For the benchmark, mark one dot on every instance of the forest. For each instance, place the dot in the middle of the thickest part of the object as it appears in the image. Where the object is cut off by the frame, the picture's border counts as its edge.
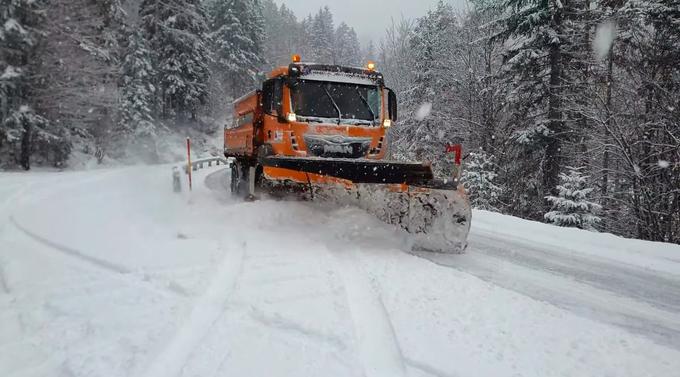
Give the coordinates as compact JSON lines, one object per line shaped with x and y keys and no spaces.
{"x":569,"y":110}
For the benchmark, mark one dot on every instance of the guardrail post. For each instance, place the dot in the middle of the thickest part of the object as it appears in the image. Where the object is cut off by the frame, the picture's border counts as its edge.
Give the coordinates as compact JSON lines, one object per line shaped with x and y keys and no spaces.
{"x":176,"y":181}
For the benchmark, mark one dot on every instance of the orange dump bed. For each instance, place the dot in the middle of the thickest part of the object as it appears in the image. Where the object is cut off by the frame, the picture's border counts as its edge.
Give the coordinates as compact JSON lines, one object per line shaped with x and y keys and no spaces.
{"x":244,"y":136}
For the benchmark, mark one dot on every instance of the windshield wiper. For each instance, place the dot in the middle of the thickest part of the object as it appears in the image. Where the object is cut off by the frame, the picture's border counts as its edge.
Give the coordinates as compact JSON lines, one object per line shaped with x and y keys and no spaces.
{"x":367,"y":105}
{"x":334,"y":104}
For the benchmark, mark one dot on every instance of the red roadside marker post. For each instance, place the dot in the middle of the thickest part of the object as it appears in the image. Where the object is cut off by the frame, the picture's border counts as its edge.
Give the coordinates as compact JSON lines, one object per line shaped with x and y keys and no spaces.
{"x":457,"y":150}
{"x":189,"y":169}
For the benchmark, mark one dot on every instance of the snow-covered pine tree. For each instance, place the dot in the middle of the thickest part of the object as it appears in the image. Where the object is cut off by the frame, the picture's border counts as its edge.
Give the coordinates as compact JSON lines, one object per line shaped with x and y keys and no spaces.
{"x":307,"y":51}
{"x":27,"y":138}
{"x":177,"y":32}
{"x":427,"y":128}
{"x":571,"y":207}
{"x":23,"y":133}
{"x":369,"y":53}
{"x":321,"y":37}
{"x":237,"y":33}
{"x":536,"y":37}
{"x":18,"y":37}
{"x":113,"y":29}
{"x":480,"y":180}
{"x":283,"y":34}
{"x":136,"y":129}
{"x":76,"y":74}
{"x":347,"y":47}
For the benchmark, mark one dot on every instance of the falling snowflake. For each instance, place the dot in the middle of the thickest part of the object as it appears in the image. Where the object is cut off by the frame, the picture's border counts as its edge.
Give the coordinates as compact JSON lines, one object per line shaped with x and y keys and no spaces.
{"x":663,"y":164}
{"x":604,"y":38}
{"x":423,"y":111}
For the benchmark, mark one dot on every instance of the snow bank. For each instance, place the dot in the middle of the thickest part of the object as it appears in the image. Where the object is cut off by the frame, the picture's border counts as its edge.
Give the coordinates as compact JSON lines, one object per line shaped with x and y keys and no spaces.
{"x":656,"y":256}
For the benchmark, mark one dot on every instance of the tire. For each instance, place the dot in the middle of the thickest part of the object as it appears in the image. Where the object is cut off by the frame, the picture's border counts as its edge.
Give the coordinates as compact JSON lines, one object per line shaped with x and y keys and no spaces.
{"x":240,"y":180}
{"x":239,"y":183}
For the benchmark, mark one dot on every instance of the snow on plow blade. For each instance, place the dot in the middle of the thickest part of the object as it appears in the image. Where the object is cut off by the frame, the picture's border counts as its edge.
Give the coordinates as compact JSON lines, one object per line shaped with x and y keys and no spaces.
{"x":436,"y":214}
{"x":438,"y":219}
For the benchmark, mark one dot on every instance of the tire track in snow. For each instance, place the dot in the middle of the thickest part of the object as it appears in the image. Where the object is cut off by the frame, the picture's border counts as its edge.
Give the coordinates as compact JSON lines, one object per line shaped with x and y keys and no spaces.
{"x":378,"y":347}
{"x":423,"y":367}
{"x":13,"y":199}
{"x":3,"y":279}
{"x":101,"y":264}
{"x":282,"y":324}
{"x":207,"y":310}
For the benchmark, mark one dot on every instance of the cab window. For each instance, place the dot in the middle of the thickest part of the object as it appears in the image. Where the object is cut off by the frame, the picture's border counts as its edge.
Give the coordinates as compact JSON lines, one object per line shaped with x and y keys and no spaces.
{"x":272,"y":94}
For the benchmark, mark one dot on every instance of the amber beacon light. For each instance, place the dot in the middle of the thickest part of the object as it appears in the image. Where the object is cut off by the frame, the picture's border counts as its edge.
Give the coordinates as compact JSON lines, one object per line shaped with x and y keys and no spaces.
{"x":296,"y":58}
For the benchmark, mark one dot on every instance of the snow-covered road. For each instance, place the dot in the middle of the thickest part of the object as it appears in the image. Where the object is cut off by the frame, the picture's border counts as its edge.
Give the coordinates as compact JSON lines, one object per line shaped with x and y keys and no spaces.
{"x":641,"y":300}
{"x":109,"y":273}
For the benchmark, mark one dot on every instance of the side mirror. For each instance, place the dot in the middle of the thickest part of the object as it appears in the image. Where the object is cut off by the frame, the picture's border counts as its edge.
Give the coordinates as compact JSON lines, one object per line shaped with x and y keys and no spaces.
{"x":260,"y":78}
{"x":392,"y":104}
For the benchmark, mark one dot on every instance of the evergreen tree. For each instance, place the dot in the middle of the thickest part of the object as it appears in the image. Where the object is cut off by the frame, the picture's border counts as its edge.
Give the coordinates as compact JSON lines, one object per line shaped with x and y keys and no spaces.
{"x":369,"y":53}
{"x":177,"y":34}
{"x":347,"y":47}
{"x":321,"y":37}
{"x":77,"y":72}
{"x":136,"y":125}
{"x":26,"y":136}
{"x":19,"y":36}
{"x":283,"y":34}
{"x":307,"y":50}
{"x":479,"y":178}
{"x":237,"y":32}
{"x":571,"y":207}
{"x":23,"y":133}
{"x":426,"y":128}
{"x":537,"y":37}
{"x":113,"y":28}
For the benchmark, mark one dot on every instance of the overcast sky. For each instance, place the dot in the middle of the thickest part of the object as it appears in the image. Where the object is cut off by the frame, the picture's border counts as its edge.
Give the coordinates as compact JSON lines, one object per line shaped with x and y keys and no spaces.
{"x":368,"y":17}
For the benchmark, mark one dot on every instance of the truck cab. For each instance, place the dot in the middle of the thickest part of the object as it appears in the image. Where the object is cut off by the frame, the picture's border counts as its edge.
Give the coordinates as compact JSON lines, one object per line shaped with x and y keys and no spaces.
{"x":316,"y":111}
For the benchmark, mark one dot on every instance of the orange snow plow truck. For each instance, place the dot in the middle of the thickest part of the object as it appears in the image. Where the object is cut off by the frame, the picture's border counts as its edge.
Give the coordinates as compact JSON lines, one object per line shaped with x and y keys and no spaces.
{"x":321,"y":131}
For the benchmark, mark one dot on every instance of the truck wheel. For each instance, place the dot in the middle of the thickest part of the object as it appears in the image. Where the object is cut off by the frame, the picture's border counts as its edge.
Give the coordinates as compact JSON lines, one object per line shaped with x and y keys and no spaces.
{"x":238,"y":185}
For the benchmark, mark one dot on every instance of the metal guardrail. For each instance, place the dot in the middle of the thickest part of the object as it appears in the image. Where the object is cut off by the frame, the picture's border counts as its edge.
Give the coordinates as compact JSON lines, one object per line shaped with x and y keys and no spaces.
{"x":195,"y":165}
{"x":200,"y":163}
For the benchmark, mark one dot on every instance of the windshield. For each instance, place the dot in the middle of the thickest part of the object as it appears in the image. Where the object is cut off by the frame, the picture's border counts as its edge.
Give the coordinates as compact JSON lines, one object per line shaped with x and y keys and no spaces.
{"x":339,"y":102}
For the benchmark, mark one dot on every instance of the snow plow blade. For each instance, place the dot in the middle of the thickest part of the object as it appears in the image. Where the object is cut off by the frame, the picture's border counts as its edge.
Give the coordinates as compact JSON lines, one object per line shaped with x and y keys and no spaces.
{"x":437,"y":217}
{"x":355,"y":170}
{"x":435,"y":213}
